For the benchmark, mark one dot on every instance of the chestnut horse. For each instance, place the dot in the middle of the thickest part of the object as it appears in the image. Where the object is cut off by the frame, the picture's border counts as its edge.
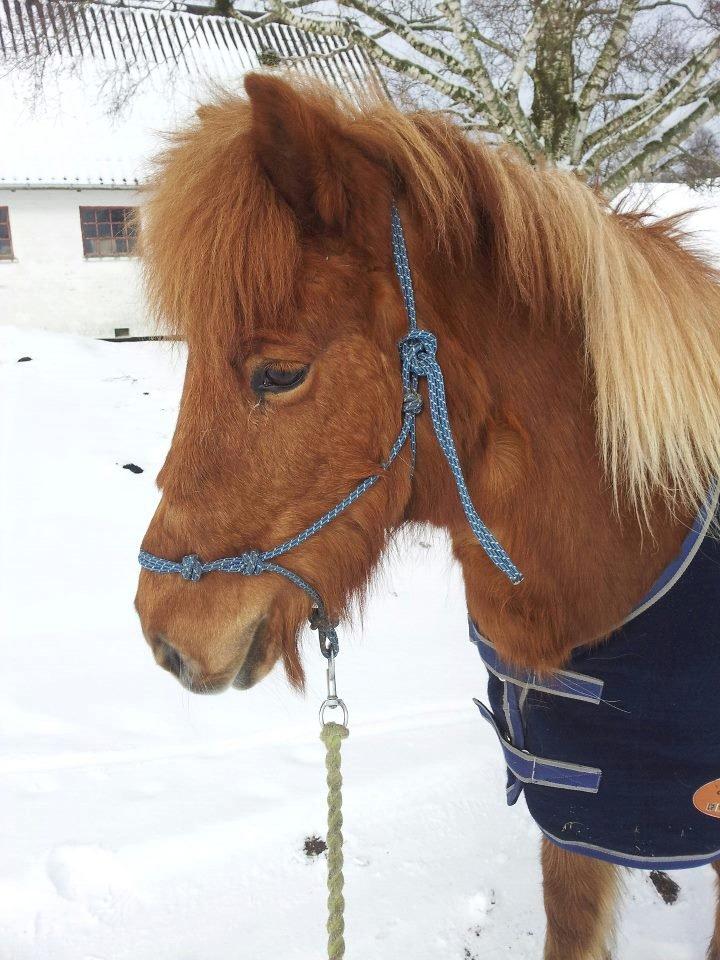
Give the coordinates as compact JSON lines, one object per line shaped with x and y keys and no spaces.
{"x":581,"y":349}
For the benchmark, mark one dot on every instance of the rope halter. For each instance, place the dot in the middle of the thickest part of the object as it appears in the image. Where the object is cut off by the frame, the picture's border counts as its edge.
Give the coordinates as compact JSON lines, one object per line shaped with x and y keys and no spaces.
{"x":418,"y":359}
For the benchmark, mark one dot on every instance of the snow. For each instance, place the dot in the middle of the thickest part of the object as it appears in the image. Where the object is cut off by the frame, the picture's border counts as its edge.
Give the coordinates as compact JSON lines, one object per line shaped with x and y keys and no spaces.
{"x":670,"y":199}
{"x":141,"y":823}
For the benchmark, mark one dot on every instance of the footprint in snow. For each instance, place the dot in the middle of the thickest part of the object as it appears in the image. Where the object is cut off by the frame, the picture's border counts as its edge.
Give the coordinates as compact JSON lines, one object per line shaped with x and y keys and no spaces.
{"x":479,"y":906}
{"x":88,"y":874}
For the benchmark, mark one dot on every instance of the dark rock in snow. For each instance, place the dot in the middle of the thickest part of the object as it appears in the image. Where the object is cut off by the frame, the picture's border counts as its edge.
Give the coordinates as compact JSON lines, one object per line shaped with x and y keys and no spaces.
{"x":665,"y":886}
{"x":132,"y":467}
{"x":314,"y":846}
{"x":24,"y":359}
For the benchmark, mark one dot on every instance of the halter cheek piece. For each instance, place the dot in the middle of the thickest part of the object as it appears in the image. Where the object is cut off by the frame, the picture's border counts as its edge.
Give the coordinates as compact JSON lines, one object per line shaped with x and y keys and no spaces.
{"x":417,"y":359}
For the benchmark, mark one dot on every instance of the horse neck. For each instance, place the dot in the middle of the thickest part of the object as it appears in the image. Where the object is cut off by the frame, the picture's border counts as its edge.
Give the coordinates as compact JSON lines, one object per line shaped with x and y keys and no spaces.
{"x":521,"y":410}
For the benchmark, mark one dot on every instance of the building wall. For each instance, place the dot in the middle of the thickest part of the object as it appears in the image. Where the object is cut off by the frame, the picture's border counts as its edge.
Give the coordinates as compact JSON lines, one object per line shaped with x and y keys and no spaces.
{"x":50,"y":283}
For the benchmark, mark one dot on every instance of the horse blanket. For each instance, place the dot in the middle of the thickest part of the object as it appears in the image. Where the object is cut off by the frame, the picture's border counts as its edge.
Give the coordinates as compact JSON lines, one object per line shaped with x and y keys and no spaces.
{"x":619,"y":754}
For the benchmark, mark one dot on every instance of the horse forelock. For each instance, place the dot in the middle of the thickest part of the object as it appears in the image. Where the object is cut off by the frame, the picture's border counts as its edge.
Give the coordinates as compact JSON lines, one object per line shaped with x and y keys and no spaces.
{"x":220,"y":248}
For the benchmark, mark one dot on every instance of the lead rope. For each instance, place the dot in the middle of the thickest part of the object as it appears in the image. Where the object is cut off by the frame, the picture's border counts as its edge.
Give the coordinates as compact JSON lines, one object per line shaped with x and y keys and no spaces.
{"x":332,"y":735}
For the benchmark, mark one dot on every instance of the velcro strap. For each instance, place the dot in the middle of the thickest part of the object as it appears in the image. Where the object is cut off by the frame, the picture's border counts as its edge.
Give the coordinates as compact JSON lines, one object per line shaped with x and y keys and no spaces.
{"x":538,"y":770}
{"x":560,"y":683}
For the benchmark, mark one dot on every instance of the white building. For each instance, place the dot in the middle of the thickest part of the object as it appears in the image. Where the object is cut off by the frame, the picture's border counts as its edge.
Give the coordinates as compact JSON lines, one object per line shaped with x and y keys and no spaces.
{"x":71,"y":168}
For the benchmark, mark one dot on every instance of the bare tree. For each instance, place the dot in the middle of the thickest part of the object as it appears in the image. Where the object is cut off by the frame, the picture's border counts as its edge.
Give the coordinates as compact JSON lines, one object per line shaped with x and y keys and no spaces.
{"x":619,"y":90}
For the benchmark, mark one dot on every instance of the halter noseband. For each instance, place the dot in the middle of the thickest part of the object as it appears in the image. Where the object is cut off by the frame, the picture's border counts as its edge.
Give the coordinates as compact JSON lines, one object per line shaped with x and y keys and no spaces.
{"x":417,"y":359}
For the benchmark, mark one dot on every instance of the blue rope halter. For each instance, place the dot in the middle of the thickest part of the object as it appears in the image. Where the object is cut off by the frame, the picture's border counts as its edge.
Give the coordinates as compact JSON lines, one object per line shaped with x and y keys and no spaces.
{"x":418,"y":359}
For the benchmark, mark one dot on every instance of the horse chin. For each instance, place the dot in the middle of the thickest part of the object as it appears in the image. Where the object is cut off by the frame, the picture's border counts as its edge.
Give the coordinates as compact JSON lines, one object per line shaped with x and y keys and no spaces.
{"x":247,"y":679}
{"x":259,"y":660}
{"x":204,"y":687}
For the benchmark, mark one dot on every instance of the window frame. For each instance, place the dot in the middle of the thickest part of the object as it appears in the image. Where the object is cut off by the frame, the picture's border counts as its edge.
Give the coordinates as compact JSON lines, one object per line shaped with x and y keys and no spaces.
{"x":123,"y":237}
{"x":8,"y":257}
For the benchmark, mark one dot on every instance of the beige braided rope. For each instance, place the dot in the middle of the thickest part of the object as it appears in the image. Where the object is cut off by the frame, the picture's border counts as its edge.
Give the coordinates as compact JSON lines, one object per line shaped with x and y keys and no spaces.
{"x":332,"y":735}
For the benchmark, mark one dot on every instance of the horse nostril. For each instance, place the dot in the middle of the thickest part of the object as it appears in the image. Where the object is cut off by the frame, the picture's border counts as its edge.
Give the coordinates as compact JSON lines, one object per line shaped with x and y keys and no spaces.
{"x":169,"y":659}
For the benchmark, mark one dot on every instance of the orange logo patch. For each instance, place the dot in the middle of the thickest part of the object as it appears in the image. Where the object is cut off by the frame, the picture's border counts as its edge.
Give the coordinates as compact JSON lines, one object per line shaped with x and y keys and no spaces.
{"x":707,"y":799}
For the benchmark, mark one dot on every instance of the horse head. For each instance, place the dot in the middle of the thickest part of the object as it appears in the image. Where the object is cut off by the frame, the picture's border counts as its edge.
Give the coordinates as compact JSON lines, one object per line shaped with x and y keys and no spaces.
{"x":267,"y":241}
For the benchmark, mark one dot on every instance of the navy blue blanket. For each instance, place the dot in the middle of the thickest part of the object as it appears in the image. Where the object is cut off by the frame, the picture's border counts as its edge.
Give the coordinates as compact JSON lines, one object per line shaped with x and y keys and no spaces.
{"x":618,"y":755}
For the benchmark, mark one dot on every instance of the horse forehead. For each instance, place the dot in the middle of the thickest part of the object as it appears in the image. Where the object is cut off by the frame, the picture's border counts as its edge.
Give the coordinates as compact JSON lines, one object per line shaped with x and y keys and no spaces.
{"x":331,"y":262}
{"x":333,"y":290}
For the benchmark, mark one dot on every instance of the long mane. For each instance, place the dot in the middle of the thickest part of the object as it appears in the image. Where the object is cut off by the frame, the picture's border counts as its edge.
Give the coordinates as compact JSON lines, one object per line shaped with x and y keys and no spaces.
{"x":222,"y":248}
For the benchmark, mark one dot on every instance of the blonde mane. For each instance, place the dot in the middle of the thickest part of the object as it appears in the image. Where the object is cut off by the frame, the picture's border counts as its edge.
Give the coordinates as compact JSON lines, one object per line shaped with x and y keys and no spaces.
{"x":221,"y":246}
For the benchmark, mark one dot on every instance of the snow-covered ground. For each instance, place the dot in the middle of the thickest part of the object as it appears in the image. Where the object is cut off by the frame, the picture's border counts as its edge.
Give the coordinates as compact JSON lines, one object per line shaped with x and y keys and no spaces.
{"x":138,"y":822}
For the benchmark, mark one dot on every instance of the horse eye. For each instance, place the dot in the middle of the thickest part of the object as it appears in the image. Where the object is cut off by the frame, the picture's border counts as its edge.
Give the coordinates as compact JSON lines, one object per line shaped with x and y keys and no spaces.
{"x":270,"y":379}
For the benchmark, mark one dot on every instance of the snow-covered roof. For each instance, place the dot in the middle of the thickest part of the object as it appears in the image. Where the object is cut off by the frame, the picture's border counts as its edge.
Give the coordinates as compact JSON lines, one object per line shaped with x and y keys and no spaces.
{"x":115,"y":77}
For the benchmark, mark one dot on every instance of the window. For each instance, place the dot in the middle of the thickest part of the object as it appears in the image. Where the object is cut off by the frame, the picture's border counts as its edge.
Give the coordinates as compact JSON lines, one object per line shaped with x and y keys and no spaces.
{"x":108,"y":231}
{"x":6,"y":249}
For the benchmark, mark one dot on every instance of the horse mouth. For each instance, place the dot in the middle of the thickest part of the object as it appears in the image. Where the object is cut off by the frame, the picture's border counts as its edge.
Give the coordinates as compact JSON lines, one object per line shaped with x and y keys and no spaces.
{"x":202,"y":686}
{"x":255,"y":664}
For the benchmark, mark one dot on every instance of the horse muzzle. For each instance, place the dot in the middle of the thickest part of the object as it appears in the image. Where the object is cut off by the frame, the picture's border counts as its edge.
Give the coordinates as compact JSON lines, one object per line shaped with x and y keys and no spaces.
{"x":249,"y":666}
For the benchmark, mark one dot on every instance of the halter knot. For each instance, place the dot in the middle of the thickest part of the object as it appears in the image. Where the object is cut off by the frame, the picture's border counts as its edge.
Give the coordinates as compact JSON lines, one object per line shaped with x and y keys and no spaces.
{"x":250,"y":563}
{"x":412,"y":403}
{"x":418,"y":350}
{"x":191,"y":567}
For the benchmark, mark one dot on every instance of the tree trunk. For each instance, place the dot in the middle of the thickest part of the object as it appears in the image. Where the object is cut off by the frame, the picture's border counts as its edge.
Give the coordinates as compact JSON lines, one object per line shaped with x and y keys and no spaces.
{"x":554,"y":108}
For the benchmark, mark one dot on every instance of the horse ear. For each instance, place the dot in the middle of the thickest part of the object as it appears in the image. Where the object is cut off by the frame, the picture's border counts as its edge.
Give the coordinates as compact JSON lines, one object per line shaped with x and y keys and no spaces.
{"x":299,"y":143}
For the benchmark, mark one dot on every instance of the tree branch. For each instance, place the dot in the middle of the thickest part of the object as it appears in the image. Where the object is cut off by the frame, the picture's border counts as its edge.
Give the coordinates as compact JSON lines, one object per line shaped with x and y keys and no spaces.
{"x":351,"y":32}
{"x":673,"y":92}
{"x":675,"y":3}
{"x":661,"y":146}
{"x":709,"y":166}
{"x":609,"y":55}
{"x":526,"y":48}
{"x":493,"y":44}
{"x":600,"y":73}
{"x":506,"y":114}
{"x":401,"y":29}
{"x":254,"y":21}
{"x":478,"y":70}
{"x":313,"y":55}
{"x":619,"y":97}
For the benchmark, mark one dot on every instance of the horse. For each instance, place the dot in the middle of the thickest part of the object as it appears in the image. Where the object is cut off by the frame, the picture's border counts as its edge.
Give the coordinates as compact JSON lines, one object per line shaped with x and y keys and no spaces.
{"x":580,"y":346}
